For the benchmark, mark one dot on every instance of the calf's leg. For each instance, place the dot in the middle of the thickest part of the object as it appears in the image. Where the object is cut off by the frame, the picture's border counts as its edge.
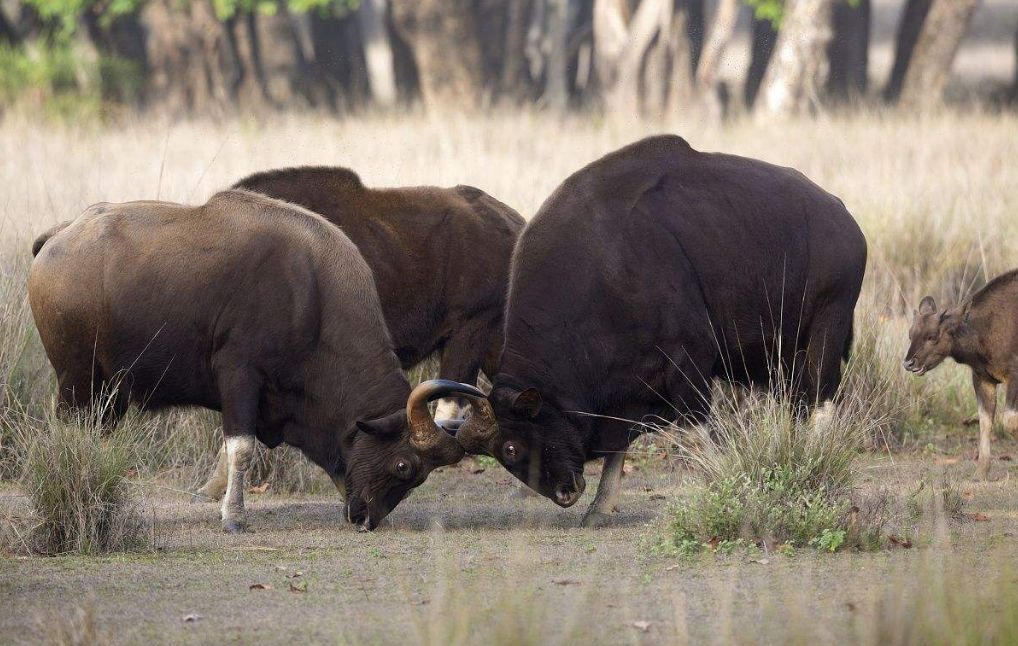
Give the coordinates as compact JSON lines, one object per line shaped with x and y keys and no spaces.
{"x":986,"y":396}
{"x":607,"y":490}
{"x":1010,"y":417}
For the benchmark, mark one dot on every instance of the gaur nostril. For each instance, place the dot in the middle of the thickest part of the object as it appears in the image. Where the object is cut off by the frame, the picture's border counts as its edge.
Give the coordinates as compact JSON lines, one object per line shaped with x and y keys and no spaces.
{"x":563,"y":494}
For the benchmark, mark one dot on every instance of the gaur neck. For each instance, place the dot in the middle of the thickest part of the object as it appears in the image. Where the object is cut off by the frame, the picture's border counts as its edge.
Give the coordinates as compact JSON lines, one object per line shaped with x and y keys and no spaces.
{"x":340,"y":401}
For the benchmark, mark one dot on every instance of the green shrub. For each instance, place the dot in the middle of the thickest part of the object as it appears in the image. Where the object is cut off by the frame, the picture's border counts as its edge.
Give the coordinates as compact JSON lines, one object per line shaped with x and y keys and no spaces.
{"x":771,"y":477}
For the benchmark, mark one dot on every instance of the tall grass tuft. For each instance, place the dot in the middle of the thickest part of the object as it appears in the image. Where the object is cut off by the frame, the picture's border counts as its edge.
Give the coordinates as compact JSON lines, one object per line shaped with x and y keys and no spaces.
{"x":770,"y":476}
{"x":74,"y":626}
{"x":75,"y":475}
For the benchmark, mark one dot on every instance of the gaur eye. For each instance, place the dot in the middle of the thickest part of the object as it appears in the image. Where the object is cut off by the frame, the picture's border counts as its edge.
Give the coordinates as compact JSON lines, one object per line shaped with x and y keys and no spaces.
{"x":510,"y":452}
{"x":402,"y":468}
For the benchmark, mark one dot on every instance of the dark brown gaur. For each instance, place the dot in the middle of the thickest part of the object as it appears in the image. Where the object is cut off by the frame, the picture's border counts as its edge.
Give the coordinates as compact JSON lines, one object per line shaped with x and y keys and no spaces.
{"x":981,"y":333}
{"x":644,"y":276}
{"x":250,"y":306}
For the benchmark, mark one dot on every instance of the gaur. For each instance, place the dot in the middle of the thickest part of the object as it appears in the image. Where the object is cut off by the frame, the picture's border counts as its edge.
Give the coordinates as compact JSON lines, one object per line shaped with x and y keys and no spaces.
{"x":250,"y":306}
{"x":644,"y":276}
{"x":981,"y":333}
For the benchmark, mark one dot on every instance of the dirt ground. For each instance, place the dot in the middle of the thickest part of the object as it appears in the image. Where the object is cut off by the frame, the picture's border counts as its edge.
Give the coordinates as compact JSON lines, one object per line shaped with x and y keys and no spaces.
{"x":464,"y":557}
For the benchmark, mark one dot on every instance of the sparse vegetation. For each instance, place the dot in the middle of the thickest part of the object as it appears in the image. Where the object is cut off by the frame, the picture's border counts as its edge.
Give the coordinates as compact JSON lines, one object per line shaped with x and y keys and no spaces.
{"x":943,"y":230}
{"x":769,"y":476}
{"x":75,"y":475}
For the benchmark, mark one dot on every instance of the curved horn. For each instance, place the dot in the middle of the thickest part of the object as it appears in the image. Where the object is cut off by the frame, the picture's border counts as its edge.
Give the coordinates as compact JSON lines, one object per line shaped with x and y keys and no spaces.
{"x":424,"y":432}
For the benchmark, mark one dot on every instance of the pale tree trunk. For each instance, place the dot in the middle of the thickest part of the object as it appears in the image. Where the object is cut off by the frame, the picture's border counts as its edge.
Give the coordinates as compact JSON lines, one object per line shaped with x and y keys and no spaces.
{"x":377,"y":52}
{"x":679,"y":92}
{"x":721,"y":29}
{"x":792,"y":80}
{"x":443,"y":38}
{"x":938,"y":43}
{"x":909,"y":26}
{"x":621,"y":45}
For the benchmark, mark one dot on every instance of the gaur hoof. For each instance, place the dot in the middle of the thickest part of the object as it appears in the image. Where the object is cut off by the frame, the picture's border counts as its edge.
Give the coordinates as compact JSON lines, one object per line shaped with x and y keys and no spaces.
{"x":234,"y":526}
{"x":595,"y":519}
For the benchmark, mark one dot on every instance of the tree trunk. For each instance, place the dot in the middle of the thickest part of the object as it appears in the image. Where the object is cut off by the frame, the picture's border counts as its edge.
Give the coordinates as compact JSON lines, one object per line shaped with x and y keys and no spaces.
{"x":721,"y":29}
{"x":511,"y":78}
{"x":938,"y":43}
{"x":848,"y":51}
{"x":377,"y":52}
{"x":680,"y":62}
{"x":443,"y":38}
{"x":8,"y":32}
{"x":621,"y":45}
{"x":909,"y":26}
{"x":556,"y":87}
{"x":764,"y":38}
{"x":792,"y":79}
{"x":188,"y":50}
{"x":1014,"y":85}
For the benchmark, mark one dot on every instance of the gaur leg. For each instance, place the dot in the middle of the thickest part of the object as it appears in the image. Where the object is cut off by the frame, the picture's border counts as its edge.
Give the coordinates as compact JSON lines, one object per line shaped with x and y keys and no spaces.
{"x":820,"y":372}
{"x":462,"y":356}
{"x":986,"y":396}
{"x":240,"y":413}
{"x":215,"y":487}
{"x":1010,"y":417}
{"x":607,"y":490}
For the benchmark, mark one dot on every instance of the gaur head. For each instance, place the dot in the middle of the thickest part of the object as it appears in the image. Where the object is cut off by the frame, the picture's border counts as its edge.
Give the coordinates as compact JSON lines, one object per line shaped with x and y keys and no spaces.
{"x":931,"y":336}
{"x":532,"y":438}
{"x":391,"y":455}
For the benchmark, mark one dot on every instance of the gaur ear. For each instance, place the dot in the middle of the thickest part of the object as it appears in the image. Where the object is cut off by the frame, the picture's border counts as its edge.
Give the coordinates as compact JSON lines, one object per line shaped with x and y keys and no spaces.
{"x":927,"y":305}
{"x":383,"y":427}
{"x":528,"y":403}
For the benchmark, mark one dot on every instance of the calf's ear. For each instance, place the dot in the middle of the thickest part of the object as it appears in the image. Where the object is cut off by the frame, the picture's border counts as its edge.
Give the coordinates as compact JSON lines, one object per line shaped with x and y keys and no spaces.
{"x":927,"y":305}
{"x":528,"y":403}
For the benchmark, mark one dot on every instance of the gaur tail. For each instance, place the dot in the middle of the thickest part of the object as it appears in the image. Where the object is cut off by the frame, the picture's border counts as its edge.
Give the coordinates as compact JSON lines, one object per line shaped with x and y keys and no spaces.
{"x":846,"y":352}
{"x":41,"y":241}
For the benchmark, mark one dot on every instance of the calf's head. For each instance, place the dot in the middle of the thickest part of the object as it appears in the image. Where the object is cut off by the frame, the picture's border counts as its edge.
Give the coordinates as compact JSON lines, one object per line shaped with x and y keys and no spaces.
{"x":532,"y":438}
{"x":393,"y":454}
{"x":932,"y":336}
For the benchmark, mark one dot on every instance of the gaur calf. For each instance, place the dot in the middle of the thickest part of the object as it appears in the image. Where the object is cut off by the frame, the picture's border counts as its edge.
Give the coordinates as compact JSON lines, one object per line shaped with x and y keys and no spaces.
{"x":249,"y":306}
{"x":644,"y":276}
{"x":981,"y":333}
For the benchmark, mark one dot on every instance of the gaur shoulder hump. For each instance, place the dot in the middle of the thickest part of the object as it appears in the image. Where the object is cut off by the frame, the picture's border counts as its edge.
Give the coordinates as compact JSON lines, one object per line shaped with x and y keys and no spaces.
{"x":336,"y":176}
{"x":489,"y":207}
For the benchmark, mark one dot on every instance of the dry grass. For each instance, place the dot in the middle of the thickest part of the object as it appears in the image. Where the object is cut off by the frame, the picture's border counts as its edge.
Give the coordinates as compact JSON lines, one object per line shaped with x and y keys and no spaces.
{"x":934,"y":196}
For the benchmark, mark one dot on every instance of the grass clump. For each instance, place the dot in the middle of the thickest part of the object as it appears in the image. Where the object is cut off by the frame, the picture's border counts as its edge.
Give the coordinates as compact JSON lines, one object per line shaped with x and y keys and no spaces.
{"x":770,"y":478}
{"x":75,"y":476}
